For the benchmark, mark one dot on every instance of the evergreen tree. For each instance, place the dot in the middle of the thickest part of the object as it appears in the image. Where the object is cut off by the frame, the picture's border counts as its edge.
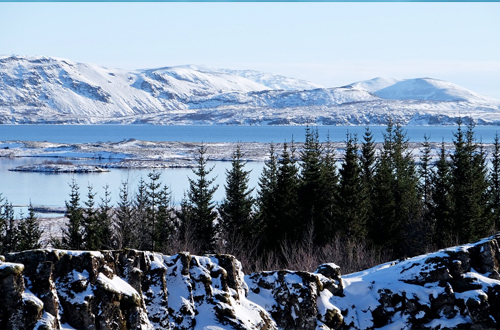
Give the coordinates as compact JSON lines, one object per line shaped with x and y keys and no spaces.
{"x":441,"y":206}
{"x":140,"y":216}
{"x":104,"y":215}
{"x":199,"y":206}
{"x":153,"y":193}
{"x":124,"y":225}
{"x":412,"y":237}
{"x":288,"y":224}
{"x":326,"y":227}
{"x":30,"y":232}
{"x":313,"y":195}
{"x":11,"y":230}
{"x":165,"y":220}
{"x":352,"y":195}
{"x":425,"y":190}
{"x":92,"y":239}
{"x":384,"y":227}
{"x":236,"y":208}
{"x":471,"y":213}
{"x":368,"y":161}
{"x":266,"y":198}
{"x":495,"y":181}
{"x":72,"y":234}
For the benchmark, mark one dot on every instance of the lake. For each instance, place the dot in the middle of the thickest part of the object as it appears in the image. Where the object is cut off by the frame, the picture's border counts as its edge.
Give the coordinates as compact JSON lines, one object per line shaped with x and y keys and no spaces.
{"x":53,"y":189}
{"x":115,"y":133}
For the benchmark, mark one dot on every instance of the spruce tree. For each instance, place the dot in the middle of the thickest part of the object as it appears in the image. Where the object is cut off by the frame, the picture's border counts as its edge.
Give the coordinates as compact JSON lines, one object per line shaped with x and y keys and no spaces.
{"x":313,"y":187}
{"x":425,"y":172}
{"x":471,"y":213}
{"x":266,"y":198}
{"x":11,"y":230}
{"x":90,"y":224}
{"x":441,"y":207}
{"x":104,"y":215}
{"x":368,"y":161}
{"x":352,"y":195}
{"x":72,"y":234}
{"x":140,"y":216}
{"x":199,"y":207}
{"x":288,"y":226}
{"x":30,"y":232}
{"x":326,"y":227}
{"x":165,"y":220}
{"x":495,"y":181}
{"x":124,"y":225}
{"x":153,"y":194}
{"x":236,"y":208}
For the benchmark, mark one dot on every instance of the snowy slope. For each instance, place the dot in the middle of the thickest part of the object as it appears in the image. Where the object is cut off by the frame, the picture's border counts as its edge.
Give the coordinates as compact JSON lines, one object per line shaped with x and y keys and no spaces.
{"x":39,"y":89}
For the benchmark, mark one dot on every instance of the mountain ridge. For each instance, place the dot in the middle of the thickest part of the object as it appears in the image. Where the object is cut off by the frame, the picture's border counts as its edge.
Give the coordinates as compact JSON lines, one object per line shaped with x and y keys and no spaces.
{"x":42,"y":89}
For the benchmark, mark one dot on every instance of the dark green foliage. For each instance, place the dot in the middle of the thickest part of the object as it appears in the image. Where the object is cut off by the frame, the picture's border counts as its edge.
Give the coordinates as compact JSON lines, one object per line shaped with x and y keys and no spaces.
{"x":368,"y":161}
{"x":469,"y":188}
{"x":198,"y":210}
{"x":72,"y":234}
{"x":266,"y":199}
{"x":288,"y":225}
{"x":314,"y":187}
{"x":441,"y":205}
{"x":353,"y":199}
{"x":9,"y":229}
{"x":495,"y":181}
{"x":165,"y":220}
{"x":30,"y":232}
{"x":397,"y":221}
{"x":124,"y":224}
{"x":104,"y":215}
{"x":90,"y":224}
{"x":236,"y":208}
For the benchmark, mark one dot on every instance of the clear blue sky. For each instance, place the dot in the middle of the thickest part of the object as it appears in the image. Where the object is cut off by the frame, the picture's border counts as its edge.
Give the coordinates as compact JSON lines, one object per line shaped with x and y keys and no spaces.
{"x":332,"y":44}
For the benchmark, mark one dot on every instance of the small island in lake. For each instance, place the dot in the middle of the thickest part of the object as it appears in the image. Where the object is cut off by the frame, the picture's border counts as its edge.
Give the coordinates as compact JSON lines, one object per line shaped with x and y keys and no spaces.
{"x":59,"y":168}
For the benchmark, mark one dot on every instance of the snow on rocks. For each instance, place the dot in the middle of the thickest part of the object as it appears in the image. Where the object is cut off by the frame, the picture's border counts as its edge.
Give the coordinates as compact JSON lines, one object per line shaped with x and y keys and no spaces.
{"x":55,"y":289}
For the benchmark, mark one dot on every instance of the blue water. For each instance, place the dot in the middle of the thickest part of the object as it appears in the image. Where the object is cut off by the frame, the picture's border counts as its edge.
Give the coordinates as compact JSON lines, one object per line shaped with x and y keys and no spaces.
{"x":115,"y":133}
{"x":52,"y":190}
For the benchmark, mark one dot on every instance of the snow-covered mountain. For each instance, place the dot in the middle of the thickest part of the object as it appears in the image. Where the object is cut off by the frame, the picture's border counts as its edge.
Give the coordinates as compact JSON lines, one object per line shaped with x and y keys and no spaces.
{"x":39,"y":89}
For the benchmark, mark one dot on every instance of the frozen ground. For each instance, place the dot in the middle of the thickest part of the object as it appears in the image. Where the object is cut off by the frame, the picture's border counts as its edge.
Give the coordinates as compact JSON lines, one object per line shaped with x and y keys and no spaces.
{"x":146,"y":154}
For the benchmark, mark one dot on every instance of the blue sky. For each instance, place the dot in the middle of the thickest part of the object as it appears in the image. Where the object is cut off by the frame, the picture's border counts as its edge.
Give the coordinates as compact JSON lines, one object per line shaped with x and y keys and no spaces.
{"x":332,"y":44}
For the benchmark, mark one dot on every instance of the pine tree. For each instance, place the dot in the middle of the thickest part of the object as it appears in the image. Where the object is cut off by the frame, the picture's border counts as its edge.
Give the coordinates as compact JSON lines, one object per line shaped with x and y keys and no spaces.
{"x":352,"y":195}
{"x":72,"y":234}
{"x":140,"y":216}
{"x":313,"y":187}
{"x":236,"y":208}
{"x":495,"y":181}
{"x":384,"y":228}
{"x":266,"y":197}
{"x":441,"y":204}
{"x":425,"y":190}
{"x":165,"y":220}
{"x":90,"y":224}
{"x":30,"y":232}
{"x":288,"y":226}
{"x":368,"y":161}
{"x":471,"y":213}
{"x":11,"y":231}
{"x":124,"y":225}
{"x":104,"y":215}
{"x":199,"y":207}
{"x":153,"y":193}
{"x":327,"y":226}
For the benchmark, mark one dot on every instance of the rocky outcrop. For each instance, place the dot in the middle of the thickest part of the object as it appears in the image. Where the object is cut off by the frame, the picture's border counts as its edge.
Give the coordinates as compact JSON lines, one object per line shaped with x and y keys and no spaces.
{"x":54,"y":289}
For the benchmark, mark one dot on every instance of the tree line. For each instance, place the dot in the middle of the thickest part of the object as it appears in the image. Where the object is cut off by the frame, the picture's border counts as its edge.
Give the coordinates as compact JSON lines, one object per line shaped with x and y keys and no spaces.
{"x":364,"y":205}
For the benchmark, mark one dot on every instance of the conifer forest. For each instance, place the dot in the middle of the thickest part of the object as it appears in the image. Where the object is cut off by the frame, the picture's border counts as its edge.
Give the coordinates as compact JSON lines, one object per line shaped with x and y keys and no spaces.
{"x":368,"y":204}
